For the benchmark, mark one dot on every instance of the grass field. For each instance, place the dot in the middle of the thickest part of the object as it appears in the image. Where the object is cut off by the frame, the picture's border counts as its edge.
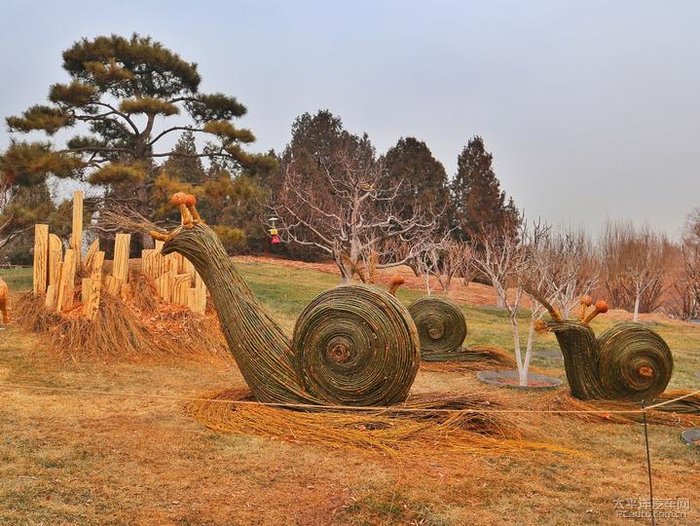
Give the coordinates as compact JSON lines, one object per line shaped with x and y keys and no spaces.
{"x":72,"y":456}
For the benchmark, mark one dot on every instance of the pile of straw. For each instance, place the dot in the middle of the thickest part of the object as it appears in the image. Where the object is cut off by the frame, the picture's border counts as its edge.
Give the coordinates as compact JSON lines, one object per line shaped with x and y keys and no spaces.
{"x":462,"y":424}
{"x":141,"y":327}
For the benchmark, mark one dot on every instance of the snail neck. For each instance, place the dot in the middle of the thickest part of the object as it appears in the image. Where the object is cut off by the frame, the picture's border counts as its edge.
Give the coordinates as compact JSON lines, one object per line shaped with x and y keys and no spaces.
{"x":261,"y":349}
{"x":580,"y":349}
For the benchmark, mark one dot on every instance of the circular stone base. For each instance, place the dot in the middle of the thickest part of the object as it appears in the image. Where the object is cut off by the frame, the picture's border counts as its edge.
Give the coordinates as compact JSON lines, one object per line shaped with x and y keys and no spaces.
{"x":691,"y":436}
{"x":511,"y":378}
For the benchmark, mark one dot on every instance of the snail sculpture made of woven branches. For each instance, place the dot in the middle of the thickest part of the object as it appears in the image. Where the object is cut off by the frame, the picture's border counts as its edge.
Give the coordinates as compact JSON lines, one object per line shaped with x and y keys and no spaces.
{"x":441,"y":327}
{"x":352,"y":345}
{"x":626,"y":362}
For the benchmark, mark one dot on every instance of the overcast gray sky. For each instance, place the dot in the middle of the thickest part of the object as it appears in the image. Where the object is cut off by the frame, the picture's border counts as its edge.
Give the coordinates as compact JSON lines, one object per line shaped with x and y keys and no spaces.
{"x":590,"y":108}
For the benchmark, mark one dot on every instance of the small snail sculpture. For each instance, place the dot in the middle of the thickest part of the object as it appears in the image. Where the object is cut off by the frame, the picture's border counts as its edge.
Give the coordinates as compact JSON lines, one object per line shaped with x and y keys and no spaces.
{"x":626,"y":362}
{"x":441,"y":327}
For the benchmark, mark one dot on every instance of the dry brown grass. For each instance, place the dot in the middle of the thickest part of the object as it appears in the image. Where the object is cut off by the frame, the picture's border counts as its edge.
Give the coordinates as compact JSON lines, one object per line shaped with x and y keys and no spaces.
{"x":72,"y":458}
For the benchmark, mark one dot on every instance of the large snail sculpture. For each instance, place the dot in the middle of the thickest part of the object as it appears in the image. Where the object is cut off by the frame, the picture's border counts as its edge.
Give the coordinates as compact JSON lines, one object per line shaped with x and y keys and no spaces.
{"x":352,"y":345}
{"x":626,"y":362}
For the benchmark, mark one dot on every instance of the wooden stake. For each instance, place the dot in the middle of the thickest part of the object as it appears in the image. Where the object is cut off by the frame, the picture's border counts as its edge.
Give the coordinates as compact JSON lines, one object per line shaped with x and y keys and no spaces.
{"x":76,"y":238}
{"x":50,"y":301}
{"x":41,"y":248}
{"x":120,"y":269}
{"x":92,"y":303}
{"x":180,"y":288}
{"x":92,"y":250}
{"x":55,"y":263}
{"x":85,"y":291}
{"x":67,"y":286}
{"x":96,"y":266}
{"x":55,"y":257}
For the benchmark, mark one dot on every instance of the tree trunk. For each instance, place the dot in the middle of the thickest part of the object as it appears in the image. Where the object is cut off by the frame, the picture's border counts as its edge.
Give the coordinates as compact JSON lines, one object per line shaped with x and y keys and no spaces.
{"x":345,"y":272}
{"x":528,"y":353}
{"x":635,"y":317}
{"x":518,"y":354}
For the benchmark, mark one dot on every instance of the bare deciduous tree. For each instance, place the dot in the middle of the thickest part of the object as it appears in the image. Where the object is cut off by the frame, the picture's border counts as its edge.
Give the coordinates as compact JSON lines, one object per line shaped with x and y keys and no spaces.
{"x":354,"y":220}
{"x":442,"y":260}
{"x":557,"y":266}
{"x":570,"y":268}
{"x":503,"y":258}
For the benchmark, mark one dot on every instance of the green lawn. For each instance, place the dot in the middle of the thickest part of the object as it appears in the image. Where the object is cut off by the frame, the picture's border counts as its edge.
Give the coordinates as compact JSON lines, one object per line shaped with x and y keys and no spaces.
{"x":287,"y":290}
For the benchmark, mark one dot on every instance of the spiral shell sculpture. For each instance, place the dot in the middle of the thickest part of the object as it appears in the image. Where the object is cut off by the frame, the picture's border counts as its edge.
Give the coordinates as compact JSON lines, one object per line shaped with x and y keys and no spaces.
{"x":635,"y":363}
{"x":355,"y":345}
{"x":441,"y":327}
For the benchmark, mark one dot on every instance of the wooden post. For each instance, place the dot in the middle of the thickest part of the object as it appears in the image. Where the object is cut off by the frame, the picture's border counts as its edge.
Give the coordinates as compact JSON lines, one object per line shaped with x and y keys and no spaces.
{"x":41,"y":249}
{"x":113,"y":285}
{"x":93,"y":288}
{"x":92,"y":250}
{"x":66,"y":286}
{"x":188,"y":268}
{"x":180,"y":288}
{"x":85,"y":291}
{"x":120,"y":268}
{"x":96,"y":267}
{"x":76,"y":238}
{"x":55,"y":256}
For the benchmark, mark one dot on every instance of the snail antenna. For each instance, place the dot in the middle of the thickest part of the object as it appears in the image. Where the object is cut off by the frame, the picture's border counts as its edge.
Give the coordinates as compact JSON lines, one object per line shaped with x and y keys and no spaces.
{"x":396,"y":281}
{"x":554,"y":313}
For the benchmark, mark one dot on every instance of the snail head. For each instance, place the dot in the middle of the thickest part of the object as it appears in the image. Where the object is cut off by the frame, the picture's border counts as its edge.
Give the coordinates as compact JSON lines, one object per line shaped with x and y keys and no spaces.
{"x":558,"y":323}
{"x":189,"y":217}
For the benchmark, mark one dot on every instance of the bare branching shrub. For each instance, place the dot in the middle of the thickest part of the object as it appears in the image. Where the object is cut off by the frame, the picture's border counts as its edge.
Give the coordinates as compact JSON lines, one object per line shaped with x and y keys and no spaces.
{"x":634,"y":265}
{"x":685,"y":297}
{"x":441,"y":261}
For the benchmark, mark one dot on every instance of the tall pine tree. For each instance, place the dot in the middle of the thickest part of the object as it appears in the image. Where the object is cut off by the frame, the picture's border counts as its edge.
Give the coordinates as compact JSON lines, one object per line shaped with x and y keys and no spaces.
{"x":119,"y":105}
{"x":478,"y":201}
{"x":422,"y":178}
